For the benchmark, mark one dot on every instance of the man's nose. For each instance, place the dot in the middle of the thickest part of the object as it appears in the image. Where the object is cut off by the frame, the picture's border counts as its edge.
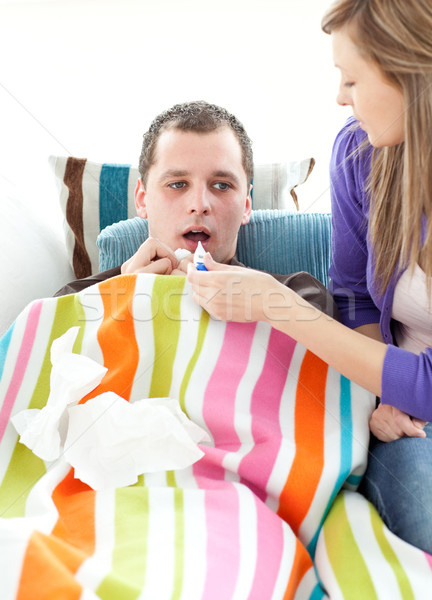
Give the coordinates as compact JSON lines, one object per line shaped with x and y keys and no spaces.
{"x":199,"y":201}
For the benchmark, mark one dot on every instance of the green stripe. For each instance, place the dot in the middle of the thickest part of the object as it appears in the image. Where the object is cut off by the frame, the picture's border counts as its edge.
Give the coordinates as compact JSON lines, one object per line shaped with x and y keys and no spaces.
{"x":344,"y":555}
{"x":166,"y":300}
{"x":69,"y":313}
{"x":25,"y":468}
{"x":390,"y":555}
{"x":178,"y":536}
{"x":204,"y":321}
{"x":178,"y":544}
{"x":127,"y":578}
{"x":171,"y":480}
{"x":129,"y":565}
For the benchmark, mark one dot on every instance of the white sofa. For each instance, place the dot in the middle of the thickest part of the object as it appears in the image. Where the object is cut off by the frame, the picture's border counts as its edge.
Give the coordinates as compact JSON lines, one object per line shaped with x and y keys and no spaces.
{"x":33,"y":262}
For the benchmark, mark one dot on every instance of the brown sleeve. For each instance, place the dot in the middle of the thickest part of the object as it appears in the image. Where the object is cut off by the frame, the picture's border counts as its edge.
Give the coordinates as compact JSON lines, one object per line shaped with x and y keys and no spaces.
{"x":312,"y":290}
{"x":306,"y":286}
{"x":82,"y":284}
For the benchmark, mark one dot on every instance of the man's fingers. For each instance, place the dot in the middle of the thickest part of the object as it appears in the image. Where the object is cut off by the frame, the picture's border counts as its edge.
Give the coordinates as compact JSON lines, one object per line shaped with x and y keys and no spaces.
{"x":150,"y":252}
{"x":154,"y":250}
{"x":162,"y":266}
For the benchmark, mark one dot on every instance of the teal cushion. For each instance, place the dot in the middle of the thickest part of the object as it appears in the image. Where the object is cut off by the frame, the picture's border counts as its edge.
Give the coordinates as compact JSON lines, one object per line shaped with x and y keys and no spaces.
{"x":276,"y":241}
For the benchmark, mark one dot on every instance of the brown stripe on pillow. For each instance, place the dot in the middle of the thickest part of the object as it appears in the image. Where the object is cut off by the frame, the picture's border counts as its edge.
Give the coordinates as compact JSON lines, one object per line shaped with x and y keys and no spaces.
{"x":74,"y":214}
{"x":292,"y":191}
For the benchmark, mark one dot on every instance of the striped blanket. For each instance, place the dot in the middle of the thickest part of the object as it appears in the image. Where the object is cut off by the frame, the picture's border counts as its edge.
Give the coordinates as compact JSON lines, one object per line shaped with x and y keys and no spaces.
{"x":262,"y":515}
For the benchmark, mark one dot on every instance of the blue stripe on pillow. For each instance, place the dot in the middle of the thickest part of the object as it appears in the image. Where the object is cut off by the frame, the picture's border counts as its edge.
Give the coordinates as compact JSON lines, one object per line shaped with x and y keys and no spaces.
{"x":113,"y":194}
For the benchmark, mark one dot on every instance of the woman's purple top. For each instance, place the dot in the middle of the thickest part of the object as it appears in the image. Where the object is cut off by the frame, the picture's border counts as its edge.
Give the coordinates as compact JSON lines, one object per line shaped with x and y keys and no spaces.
{"x":406,"y":378}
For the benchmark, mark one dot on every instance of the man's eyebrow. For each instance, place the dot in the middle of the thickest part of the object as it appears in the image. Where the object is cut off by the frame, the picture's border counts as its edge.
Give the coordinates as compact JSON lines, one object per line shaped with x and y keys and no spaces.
{"x":174,"y":173}
{"x":226,"y":175}
{"x":181,"y":173}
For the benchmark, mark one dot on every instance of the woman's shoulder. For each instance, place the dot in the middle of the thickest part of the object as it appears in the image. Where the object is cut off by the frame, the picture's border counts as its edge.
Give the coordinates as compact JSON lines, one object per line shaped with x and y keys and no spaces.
{"x":351,"y":156}
{"x":351,"y":140}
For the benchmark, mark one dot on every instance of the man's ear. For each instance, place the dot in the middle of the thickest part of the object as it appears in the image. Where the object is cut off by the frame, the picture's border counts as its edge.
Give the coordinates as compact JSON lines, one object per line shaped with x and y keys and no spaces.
{"x":140,"y":199}
{"x":248,"y":208}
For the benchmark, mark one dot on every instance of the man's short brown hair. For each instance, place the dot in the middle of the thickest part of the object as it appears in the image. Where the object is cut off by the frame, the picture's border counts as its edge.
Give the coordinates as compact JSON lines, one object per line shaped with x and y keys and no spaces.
{"x":201,"y":117}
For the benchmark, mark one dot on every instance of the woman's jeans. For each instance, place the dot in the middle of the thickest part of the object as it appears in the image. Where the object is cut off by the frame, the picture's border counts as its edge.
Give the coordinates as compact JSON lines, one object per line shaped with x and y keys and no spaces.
{"x":398,"y":482}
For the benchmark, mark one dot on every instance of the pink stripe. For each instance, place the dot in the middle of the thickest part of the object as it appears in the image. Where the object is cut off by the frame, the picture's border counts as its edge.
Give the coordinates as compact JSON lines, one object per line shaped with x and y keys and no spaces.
{"x":20,"y":365}
{"x":222,"y":518}
{"x":221,"y":499}
{"x":429,"y":559}
{"x":257,"y":465}
{"x":220,"y":394}
{"x":222,"y":503}
{"x":270,"y":545}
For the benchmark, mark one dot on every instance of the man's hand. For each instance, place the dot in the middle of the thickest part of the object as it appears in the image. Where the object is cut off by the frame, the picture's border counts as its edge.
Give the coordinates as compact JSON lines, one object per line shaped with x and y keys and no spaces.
{"x":153,"y":256}
{"x":183,"y":265}
{"x":389,"y":423}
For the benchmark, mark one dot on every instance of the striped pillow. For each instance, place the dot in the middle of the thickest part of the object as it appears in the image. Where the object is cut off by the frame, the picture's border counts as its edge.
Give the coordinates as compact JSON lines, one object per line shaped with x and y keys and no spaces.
{"x":94,"y":195}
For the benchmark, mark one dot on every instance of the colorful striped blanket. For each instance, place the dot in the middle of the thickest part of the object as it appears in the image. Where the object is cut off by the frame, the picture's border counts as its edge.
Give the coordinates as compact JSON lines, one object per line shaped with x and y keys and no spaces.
{"x":269,"y":511}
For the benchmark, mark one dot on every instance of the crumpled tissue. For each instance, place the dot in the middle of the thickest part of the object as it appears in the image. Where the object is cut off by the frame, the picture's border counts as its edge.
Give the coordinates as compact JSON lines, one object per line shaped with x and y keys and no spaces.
{"x":181,"y":253}
{"x":108,"y":440}
{"x":72,"y":377}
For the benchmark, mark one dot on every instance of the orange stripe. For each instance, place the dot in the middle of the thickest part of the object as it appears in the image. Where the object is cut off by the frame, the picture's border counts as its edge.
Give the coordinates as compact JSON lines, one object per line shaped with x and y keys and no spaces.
{"x":48,"y":569}
{"x":75,"y":501}
{"x":116,"y":337}
{"x":53,"y":561}
{"x":305,"y":473}
{"x":301,"y":564}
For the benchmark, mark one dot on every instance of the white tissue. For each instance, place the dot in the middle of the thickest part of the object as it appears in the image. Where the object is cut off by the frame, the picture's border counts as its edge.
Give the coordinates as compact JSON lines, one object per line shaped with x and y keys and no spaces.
{"x":72,"y":377}
{"x":107,"y":440}
{"x":111,"y":441}
{"x":181,"y":253}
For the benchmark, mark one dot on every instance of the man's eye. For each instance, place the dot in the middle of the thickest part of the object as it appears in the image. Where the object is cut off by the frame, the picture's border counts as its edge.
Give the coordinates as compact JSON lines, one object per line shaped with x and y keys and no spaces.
{"x":348,"y":84}
{"x":177,"y":185}
{"x":222,"y":185}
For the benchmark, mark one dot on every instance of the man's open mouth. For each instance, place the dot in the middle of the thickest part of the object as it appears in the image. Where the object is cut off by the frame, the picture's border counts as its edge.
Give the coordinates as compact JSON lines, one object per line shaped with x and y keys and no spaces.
{"x":196,"y":235}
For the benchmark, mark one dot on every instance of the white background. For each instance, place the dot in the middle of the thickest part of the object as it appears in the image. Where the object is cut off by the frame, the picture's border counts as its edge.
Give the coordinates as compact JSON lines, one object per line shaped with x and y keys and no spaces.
{"x":86,"y":77}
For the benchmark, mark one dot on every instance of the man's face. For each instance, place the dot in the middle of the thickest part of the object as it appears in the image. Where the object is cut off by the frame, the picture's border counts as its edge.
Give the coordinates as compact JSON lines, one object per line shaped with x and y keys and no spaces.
{"x":196,"y":190}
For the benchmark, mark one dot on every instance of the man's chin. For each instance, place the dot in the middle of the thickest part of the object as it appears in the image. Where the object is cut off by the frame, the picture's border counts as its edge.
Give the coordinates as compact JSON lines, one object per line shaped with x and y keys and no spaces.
{"x":222,"y":259}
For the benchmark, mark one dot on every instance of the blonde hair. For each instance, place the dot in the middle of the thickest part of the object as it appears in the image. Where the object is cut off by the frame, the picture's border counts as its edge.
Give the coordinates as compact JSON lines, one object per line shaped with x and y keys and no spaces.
{"x":396,"y":35}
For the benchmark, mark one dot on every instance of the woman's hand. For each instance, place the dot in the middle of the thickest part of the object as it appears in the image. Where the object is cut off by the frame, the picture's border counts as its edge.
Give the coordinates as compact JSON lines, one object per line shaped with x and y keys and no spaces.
{"x":389,"y":423}
{"x":232,"y":293}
